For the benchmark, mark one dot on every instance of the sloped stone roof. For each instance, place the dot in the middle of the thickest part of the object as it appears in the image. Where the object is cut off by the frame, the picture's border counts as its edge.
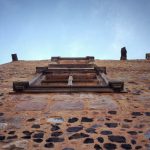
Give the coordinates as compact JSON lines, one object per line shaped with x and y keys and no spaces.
{"x":77,"y":120}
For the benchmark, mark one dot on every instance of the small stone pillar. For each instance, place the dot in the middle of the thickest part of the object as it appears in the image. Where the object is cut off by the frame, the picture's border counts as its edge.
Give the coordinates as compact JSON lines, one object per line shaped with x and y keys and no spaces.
{"x":148,"y":56}
{"x":14,"y":57}
{"x":123,"y":54}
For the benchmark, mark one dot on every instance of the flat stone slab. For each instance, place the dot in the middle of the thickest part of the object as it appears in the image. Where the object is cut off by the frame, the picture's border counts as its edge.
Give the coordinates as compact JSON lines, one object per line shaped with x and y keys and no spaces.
{"x":71,"y":97}
{"x":67,"y":105}
{"x":76,"y":102}
{"x":55,"y":120}
{"x":33,"y":97}
{"x":103,"y":102}
{"x":31,"y":106}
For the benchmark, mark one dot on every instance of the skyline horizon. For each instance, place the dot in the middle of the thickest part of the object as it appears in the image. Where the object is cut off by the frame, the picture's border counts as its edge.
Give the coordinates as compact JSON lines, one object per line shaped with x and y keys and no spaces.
{"x":34,"y":28}
{"x":48,"y":58}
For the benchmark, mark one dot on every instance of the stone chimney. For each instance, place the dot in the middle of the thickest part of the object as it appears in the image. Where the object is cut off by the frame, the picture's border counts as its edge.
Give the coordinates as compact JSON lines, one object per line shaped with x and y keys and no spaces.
{"x":14,"y":57}
{"x":148,"y":56}
{"x":123,"y":54}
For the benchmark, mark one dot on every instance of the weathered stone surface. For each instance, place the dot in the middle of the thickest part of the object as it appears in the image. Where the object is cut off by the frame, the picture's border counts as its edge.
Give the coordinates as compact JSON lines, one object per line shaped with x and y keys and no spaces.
{"x":147,"y":134}
{"x":126,"y":146}
{"x":139,"y":126}
{"x":127,"y":120}
{"x":2,"y":137}
{"x":125,"y":125}
{"x":90,"y":130}
{"x":12,"y":137}
{"x":55,"y":120}
{"x":100,"y":139}
{"x":106,"y":132}
{"x":49,"y":145}
{"x":147,"y":113}
{"x":15,"y":121}
{"x":31,"y":119}
{"x":26,"y":132}
{"x":137,"y":113}
{"x":38,"y":135}
{"x":97,"y":147}
{"x":103,"y":102}
{"x":136,"y":92}
{"x":55,"y":134}
{"x":96,"y":126}
{"x":55,"y":139}
{"x":21,"y":144}
{"x":112,"y":112}
{"x":3,"y":126}
{"x":35,"y":126}
{"x":30,"y":98}
{"x":31,"y":106}
{"x":88,"y":141}
{"x":74,"y":129}
{"x":11,"y":132}
{"x":132,"y":132}
{"x":111,"y":125}
{"x":138,"y":147}
{"x":147,"y":146}
{"x":72,"y":120}
{"x":65,"y":105}
{"x":1,"y":94}
{"x":1,"y":114}
{"x":117,"y":138}
{"x":133,"y":142}
{"x":54,"y":127}
{"x":74,"y":97}
{"x":86,"y":119}
{"x":110,"y":146}
{"x":68,"y":149}
{"x":1,"y":104}
{"x":26,"y":137}
{"x":38,"y":140}
{"x":96,"y":106}
{"x":78,"y":136}
{"x":140,"y":131}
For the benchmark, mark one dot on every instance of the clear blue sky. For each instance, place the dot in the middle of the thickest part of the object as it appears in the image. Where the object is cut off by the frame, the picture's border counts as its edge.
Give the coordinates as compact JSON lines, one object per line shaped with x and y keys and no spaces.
{"x":39,"y":29}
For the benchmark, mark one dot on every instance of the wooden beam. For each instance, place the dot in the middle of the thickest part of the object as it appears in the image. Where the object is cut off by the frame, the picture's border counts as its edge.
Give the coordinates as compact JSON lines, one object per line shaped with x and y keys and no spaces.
{"x":70,"y":70}
{"x":59,"y":73}
{"x":20,"y":86}
{"x":72,"y":58}
{"x":60,"y":66}
{"x":65,"y":76}
{"x":104,"y":78}
{"x":116,"y":85}
{"x":69,"y":89}
{"x":100,"y":70}
{"x":64,"y":80}
{"x":35,"y":79}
